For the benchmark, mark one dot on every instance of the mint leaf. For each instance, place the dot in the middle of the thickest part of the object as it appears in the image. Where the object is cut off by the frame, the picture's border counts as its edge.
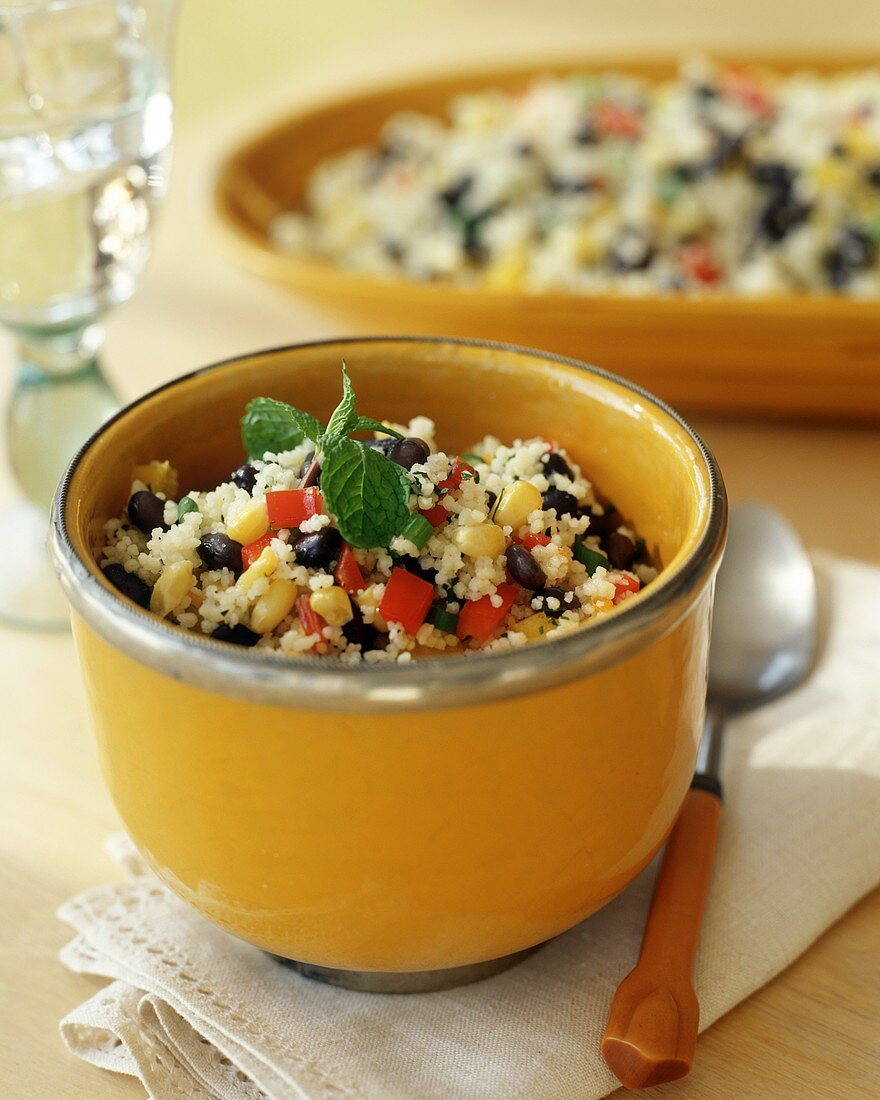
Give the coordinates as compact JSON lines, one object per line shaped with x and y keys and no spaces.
{"x":270,"y":425}
{"x":366,"y":493}
{"x":368,"y":424}
{"x":345,"y":414}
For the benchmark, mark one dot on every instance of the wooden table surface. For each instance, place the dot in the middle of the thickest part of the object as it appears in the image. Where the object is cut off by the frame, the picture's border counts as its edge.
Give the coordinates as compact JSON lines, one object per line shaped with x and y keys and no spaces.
{"x":813,"y":1032}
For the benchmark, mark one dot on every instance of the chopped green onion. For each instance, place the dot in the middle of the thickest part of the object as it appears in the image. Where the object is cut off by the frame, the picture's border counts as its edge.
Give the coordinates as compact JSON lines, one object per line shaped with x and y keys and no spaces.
{"x":592,"y":559}
{"x":186,"y":505}
{"x":670,"y":187}
{"x":417,"y":530}
{"x":444,"y":620}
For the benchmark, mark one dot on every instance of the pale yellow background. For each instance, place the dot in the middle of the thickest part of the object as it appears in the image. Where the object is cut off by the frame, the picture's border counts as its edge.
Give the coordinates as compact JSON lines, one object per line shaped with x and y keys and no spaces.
{"x":813,"y":1032}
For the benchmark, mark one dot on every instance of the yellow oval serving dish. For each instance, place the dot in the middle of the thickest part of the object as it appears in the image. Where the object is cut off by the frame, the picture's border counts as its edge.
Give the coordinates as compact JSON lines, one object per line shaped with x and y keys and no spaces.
{"x":407,"y":817}
{"x":806,"y":355}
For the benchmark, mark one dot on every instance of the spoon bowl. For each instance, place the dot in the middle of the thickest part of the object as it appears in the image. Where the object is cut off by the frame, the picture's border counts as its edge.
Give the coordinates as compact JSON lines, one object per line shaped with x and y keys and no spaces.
{"x":764,"y":627}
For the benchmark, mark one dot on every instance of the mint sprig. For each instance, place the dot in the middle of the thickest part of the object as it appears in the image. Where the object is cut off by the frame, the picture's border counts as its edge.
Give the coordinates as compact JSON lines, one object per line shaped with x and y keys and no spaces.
{"x":366,"y":493}
{"x":269,"y":426}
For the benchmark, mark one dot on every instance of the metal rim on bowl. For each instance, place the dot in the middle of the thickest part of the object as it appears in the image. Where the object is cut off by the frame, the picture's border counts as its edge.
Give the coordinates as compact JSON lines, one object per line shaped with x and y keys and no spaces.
{"x":322,"y":683}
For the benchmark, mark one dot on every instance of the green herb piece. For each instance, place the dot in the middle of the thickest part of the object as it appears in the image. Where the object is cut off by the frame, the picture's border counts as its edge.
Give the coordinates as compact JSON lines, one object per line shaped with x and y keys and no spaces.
{"x":344,"y":418}
{"x":472,"y":459}
{"x":270,"y":426}
{"x":670,"y":187}
{"x":444,"y":620}
{"x":368,"y":424}
{"x":366,"y":493}
{"x":417,"y":531}
{"x":592,"y":559}
{"x":186,"y":505}
{"x":873,"y":229}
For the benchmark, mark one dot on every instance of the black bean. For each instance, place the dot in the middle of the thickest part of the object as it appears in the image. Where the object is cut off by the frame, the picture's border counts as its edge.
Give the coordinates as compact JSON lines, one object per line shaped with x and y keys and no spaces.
{"x":609,"y":521}
{"x":408,"y":452}
{"x":237,"y":635}
{"x":560,"y":185}
{"x":783,"y":213}
{"x":453,"y":194}
{"x":393,"y":250}
{"x":727,"y":148}
{"x":564,"y":601}
{"x":147,"y":512}
{"x":383,"y":445}
{"x":852,"y":252}
{"x":554,"y":463}
{"x":586,"y":133}
{"x":565,"y":503}
{"x":318,"y":550}
{"x":523,"y":567}
{"x":129,"y":584}
{"x":632,"y":251}
{"x":621,"y":550}
{"x":771,"y":173}
{"x":219,"y":551}
{"x":705,"y":92}
{"x":357,"y":632}
{"x":245,"y":477}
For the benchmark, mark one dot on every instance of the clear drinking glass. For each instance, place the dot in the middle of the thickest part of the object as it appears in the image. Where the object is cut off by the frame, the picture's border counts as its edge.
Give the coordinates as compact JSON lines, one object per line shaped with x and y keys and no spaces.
{"x":85,"y":133}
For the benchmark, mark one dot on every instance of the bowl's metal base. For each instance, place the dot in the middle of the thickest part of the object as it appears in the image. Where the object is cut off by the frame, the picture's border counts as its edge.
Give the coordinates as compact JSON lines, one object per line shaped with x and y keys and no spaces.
{"x":418,"y":981}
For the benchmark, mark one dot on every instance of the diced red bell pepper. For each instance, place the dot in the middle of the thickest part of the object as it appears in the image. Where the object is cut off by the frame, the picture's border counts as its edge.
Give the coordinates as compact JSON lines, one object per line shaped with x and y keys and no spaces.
{"x":613,"y":118}
{"x":624,"y":585}
{"x":407,"y":600}
{"x":311,"y":621}
{"x":530,"y":541}
{"x":697,"y":262}
{"x":749,"y":90}
{"x":347,"y":573}
{"x":291,"y":507}
{"x":479,"y":620}
{"x":436,"y":515}
{"x":252,"y":551}
{"x":453,"y":482}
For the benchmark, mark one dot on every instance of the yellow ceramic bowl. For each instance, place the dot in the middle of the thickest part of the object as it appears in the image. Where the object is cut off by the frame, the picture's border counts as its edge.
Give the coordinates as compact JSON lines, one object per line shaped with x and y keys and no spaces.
{"x":403,"y":818}
{"x":789,"y":354}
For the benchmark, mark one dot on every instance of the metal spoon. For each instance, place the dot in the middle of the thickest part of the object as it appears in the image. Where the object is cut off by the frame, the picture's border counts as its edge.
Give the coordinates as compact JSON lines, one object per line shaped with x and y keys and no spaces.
{"x":763,"y":644}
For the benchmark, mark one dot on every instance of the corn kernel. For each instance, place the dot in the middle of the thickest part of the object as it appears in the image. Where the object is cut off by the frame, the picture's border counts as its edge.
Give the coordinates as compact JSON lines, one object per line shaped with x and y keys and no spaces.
{"x":535,"y":626}
{"x":508,"y":270}
{"x":159,"y":477}
{"x":487,"y":540}
{"x":516,"y":504}
{"x":273,"y":605}
{"x":831,"y":174}
{"x":173,"y":584}
{"x":859,"y":142}
{"x":333,"y":605}
{"x":251,"y":523}
{"x":588,"y":247}
{"x":265,"y":564}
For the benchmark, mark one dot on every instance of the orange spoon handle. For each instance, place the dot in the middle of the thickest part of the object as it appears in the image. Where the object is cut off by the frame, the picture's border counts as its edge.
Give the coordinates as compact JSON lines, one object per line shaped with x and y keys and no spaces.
{"x":652,"y":1026}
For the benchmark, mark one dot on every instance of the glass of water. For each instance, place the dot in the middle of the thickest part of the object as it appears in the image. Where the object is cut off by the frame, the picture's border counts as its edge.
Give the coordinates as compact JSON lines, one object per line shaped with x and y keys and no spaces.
{"x":85,"y":133}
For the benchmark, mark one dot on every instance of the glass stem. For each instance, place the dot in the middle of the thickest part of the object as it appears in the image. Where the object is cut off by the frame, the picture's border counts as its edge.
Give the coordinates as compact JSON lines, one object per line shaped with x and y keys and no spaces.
{"x":60,"y":398}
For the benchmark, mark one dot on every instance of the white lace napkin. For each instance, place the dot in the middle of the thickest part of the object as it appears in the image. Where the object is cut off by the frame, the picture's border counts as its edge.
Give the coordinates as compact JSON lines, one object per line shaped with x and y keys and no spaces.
{"x":196,"y":1014}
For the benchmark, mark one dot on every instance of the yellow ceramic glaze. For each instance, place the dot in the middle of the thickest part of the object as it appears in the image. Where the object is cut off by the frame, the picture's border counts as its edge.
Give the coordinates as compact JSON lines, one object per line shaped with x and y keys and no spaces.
{"x":428,"y":837}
